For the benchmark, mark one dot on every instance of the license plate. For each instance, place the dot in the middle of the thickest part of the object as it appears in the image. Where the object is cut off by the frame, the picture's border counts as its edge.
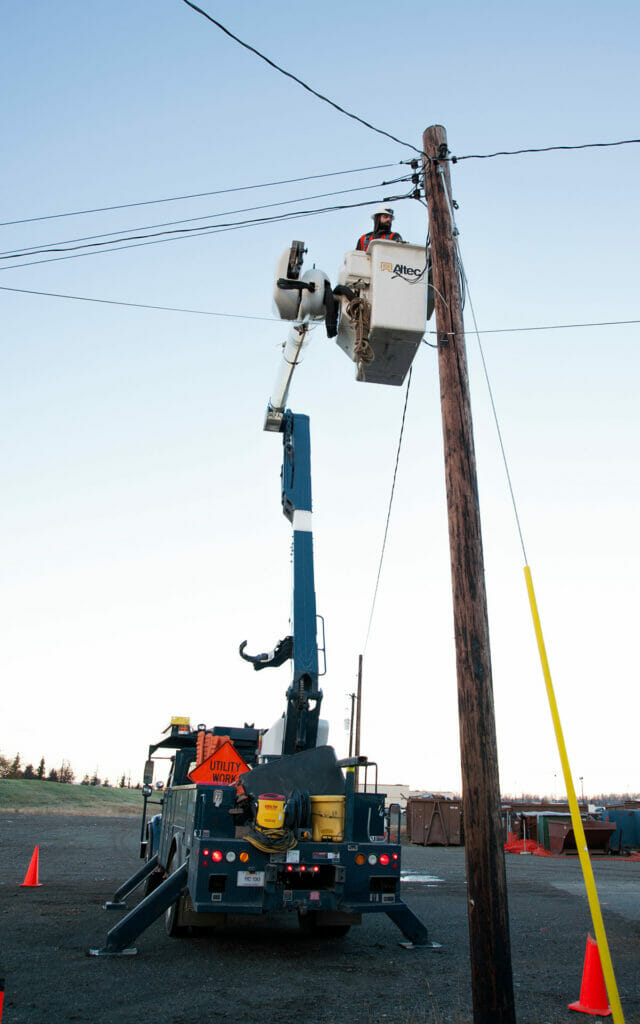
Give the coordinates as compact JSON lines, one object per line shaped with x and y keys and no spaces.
{"x":251,"y":878}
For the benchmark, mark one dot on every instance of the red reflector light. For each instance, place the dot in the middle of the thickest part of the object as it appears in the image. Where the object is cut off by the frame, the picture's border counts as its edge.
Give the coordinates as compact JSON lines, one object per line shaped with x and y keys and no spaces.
{"x":315,"y":867}
{"x":384,"y":859}
{"x":395,"y":856}
{"x":216,"y":855}
{"x":206,"y":853}
{"x":302,"y":867}
{"x":289,"y":868}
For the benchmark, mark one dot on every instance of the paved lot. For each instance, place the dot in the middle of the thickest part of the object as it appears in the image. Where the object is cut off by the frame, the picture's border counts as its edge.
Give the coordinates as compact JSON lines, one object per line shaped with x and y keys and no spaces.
{"x":277,"y":976}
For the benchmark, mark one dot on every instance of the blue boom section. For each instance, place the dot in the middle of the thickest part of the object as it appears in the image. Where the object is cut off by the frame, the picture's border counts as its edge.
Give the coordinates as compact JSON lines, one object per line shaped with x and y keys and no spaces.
{"x":303,"y":696}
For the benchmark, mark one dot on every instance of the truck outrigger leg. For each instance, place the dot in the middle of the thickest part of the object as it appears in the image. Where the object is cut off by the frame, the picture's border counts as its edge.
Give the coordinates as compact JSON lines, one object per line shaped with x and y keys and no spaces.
{"x":131,"y":884}
{"x":151,"y":908}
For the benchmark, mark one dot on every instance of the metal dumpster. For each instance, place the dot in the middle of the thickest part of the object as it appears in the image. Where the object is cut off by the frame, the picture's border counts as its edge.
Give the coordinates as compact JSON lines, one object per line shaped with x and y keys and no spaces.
{"x":627,"y":834}
{"x":434,"y":822}
{"x":597,"y":834}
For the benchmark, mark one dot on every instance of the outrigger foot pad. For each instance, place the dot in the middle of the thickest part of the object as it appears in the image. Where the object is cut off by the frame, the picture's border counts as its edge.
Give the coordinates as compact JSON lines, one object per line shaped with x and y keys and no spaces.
{"x":113,"y":952}
{"x":427,"y":945}
{"x":411,"y":926}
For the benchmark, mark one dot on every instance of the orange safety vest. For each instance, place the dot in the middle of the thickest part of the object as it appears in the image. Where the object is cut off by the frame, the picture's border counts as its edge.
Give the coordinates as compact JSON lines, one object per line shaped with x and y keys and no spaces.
{"x":365,"y":240}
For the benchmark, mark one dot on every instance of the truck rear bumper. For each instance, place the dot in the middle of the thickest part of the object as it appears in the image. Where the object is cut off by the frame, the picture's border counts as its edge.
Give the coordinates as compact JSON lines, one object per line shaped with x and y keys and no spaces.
{"x":230,"y":876}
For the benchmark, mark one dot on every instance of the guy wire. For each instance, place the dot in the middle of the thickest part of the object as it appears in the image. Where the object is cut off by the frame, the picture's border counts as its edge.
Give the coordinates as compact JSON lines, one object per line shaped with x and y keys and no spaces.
{"x":386,"y":529}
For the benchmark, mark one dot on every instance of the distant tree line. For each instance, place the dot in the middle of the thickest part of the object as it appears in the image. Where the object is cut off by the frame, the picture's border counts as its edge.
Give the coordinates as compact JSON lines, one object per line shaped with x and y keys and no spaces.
{"x":11,"y":768}
{"x":600,"y":800}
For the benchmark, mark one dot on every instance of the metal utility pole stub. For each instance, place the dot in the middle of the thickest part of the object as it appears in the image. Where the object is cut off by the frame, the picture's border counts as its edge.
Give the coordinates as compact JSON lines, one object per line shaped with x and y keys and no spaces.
{"x":491,"y":976}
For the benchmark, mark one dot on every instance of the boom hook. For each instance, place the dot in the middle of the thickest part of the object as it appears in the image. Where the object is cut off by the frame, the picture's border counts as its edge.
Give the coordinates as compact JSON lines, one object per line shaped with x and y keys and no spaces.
{"x":280,"y":653}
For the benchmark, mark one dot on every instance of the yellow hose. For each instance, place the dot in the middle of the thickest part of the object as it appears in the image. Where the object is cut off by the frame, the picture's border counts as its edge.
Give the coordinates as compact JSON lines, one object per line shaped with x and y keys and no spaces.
{"x":576,"y":821}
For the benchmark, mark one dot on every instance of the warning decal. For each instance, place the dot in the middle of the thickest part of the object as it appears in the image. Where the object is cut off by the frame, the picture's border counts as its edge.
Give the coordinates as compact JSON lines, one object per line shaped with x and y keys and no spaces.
{"x":224,"y":767}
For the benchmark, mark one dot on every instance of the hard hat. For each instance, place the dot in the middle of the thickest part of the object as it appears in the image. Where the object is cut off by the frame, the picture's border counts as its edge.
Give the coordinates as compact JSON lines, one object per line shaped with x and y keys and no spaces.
{"x":381,"y":210}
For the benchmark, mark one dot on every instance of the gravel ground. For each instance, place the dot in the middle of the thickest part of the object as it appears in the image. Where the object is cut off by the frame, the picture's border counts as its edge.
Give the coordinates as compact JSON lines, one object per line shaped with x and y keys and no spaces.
{"x":276,"y":975}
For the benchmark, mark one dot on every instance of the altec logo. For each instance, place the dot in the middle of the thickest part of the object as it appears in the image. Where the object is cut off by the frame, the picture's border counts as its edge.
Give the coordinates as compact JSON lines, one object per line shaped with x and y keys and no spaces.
{"x":400,"y":268}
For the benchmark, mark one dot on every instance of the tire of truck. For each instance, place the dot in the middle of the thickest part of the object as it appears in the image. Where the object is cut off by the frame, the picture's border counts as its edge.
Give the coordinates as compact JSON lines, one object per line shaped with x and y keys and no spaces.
{"x":309,"y":926}
{"x":172,"y":913}
{"x":154,"y":879}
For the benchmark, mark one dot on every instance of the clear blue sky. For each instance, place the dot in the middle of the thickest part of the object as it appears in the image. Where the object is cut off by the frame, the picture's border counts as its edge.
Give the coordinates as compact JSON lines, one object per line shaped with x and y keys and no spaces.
{"x":143,"y":538}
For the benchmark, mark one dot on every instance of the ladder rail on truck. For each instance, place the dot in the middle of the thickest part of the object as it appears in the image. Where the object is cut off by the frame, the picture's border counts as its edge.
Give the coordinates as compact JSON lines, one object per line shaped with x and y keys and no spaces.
{"x":207,"y":860}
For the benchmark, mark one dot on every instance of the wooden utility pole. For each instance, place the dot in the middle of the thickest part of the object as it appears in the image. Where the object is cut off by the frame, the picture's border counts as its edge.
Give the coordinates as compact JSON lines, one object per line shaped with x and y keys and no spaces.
{"x":358,"y":706}
{"x":352,"y":697}
{"x":491,"y":978}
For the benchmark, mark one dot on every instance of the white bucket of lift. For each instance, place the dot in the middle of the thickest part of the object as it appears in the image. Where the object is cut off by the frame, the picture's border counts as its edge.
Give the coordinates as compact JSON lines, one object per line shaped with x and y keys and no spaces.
{"x":392,"y":277}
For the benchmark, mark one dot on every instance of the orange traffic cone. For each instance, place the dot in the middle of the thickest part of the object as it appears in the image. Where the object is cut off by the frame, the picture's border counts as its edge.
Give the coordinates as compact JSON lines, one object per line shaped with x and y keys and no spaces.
{"x":31,"y":877}
{"x":593,"y":994}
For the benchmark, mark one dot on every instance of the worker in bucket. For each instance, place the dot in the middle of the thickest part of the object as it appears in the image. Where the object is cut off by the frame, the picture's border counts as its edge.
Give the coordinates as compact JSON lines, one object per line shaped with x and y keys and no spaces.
{"x":382,"y":221}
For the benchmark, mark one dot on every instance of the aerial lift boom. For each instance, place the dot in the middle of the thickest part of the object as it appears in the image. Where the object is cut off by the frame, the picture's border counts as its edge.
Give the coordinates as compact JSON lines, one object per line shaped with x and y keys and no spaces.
{"x":304,"y":696}
{"x":213,"y":855}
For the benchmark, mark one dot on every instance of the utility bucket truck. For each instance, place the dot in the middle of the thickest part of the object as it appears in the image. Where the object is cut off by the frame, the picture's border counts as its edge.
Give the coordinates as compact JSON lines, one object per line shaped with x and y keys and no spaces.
{"x":257,"y":822}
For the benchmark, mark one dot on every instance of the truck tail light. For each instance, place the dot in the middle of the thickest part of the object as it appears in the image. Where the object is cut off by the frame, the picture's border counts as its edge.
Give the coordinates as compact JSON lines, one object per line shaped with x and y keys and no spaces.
{"x":216,"y":856}
{"x":384,"y":859}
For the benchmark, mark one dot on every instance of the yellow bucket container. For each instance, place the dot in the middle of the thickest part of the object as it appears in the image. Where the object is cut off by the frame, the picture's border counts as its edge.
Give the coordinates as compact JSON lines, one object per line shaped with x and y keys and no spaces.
{"x":270,"y":810}
{"x":327,"y":818}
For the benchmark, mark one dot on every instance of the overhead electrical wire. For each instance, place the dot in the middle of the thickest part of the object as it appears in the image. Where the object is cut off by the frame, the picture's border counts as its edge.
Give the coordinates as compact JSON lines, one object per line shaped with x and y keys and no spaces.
{"x":546,"y":327}
{"x":386,"y":528}
{"x":543,"y":149}
{"x":32,"y":250}
{"x":182,"y":233}
{"x":140,"y":305}
{"x":299,"y":81}
{"x":198,"y":195}
{"x":240,"y":316}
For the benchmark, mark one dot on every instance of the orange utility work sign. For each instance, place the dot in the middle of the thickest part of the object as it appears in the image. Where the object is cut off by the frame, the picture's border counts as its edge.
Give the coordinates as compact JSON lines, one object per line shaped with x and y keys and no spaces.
{"x":224,"y":767}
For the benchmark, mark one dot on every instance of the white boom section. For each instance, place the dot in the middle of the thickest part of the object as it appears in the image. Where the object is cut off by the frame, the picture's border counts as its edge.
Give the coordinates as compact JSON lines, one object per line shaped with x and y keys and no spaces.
{"x":298,"y":297}
{"x":291,"y":355}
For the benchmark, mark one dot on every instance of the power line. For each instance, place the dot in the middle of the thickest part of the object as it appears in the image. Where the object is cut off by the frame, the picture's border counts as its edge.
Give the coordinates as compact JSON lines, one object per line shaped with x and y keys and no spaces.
{"x":276,"y":67}
{"x":196,"y":195}
{"x":182,"y":233}
{"x":240,"y":316}
{"x":548,"y":327}
{"x":140,"y":305}
{"x":544,"y":149}
{"x":386,"y":528}
{"x":32,"y":250}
